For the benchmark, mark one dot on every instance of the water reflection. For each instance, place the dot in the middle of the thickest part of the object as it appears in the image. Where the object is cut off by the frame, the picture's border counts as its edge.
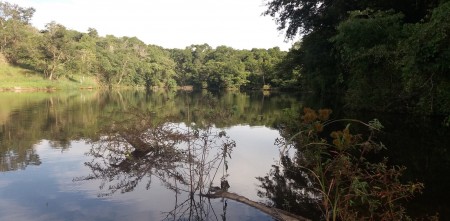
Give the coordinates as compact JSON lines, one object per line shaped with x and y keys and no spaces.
{"x":27,"y":118}
{"x":42,"y":141}
{"x":191,"y":160}
{"x":17,"y":158}
{"x":138,"y":145}
{"x":48,"y":131}
{"x":186,"y":159}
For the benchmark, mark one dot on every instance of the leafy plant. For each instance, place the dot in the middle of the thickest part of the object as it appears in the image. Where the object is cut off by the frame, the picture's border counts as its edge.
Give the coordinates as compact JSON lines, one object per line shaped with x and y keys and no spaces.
{"x":333,"y":171}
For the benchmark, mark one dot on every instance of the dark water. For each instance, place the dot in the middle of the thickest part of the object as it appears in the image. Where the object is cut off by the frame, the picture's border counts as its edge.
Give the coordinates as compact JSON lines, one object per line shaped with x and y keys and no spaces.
{"x":129,"y":155}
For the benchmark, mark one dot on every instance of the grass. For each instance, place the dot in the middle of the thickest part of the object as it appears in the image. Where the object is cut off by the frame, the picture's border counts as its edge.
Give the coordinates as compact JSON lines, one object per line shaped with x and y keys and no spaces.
{"x":16,"y":78}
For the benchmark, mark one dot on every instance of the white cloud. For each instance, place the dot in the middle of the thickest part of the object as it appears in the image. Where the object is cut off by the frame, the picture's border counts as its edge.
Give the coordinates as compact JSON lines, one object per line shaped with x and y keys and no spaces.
{"x":175,"y":23}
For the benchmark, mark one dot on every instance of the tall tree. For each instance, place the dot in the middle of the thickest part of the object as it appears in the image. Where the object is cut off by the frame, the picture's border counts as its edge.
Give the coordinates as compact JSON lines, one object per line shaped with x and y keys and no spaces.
{"x":14,"y":29}
{"x":56,"y":46}
{"x":183,"y":59}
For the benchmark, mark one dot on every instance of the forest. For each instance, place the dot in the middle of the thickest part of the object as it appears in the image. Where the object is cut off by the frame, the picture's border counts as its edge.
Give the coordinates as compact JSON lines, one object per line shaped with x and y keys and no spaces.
{"x":365,"y":55}
{"x":389,"y":56}
{"x":57,"y":52}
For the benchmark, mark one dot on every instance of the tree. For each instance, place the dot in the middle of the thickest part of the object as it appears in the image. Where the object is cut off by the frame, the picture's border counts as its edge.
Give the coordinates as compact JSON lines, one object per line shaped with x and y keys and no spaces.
{"x":107,"y":60}
{"x":162,"y":67}
{"x":225,"y":69}
{"x":56,"y":48}
{"x":367,"y":43}
{"x":368,"y":51}
{"x":199,"y":54}
{"x":426,"y":65}
{"x":86,"y":57}
{"x":287,"y":72}
{"x":183,"y":59}
{"x":15,"y":29}
{"x":307,"y":16}
{"x":316,"y":21}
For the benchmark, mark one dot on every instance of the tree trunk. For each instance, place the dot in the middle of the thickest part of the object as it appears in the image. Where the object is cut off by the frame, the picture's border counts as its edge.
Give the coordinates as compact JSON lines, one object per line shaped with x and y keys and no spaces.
{"x":275,"y":213}
{"x":122,"y":72}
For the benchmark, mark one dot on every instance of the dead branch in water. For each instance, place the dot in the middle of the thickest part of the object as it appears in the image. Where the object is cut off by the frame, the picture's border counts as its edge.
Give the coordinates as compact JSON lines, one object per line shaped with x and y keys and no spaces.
{"x":275,"y":213}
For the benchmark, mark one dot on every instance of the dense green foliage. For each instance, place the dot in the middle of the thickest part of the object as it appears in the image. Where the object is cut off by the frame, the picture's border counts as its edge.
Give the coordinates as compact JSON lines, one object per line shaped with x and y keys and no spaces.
{"x":378,"y":55}
{"x":225,"y":67}
{"x":57,"y":52}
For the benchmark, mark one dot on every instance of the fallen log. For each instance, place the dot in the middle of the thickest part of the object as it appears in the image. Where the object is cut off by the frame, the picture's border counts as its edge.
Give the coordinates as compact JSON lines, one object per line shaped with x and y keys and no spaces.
{"x":275,"y":213}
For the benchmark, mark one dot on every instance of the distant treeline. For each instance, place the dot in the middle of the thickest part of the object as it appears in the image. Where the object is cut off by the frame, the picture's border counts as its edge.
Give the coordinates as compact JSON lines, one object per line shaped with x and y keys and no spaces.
{"x":379,"y":55}
{"x":57,"y":52}
{"x":375,"y":55}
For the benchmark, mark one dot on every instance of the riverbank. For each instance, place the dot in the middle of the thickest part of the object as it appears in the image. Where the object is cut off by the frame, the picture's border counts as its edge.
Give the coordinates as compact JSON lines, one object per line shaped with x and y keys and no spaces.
{"x":19,"y":79}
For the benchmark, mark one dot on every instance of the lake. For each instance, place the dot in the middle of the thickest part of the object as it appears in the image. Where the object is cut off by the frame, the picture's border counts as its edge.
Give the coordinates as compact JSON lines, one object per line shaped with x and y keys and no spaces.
{"x":131,"y":155}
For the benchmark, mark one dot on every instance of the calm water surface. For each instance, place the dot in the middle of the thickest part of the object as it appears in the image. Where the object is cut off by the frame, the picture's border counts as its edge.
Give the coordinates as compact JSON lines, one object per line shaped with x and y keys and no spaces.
{"x":58,"y":159}
{"x":129,"y":155}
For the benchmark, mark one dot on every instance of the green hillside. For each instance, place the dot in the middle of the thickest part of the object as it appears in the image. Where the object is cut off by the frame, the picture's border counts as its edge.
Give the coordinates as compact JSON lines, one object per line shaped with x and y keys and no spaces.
{"x":16,"y":78}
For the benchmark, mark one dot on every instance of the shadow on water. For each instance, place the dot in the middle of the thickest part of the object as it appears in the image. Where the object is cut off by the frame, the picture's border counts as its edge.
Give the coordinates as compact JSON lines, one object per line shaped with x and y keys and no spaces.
{"x":418,"y":142}
{"x":421,"y":144}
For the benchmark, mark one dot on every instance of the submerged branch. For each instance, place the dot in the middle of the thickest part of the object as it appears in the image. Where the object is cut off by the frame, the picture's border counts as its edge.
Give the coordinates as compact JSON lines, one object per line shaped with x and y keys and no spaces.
{"x":275,"y":213}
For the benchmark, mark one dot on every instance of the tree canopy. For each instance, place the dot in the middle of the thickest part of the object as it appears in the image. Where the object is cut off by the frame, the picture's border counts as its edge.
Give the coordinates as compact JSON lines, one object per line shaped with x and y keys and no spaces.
{"x":378,"y":55}
{"x":58,"y":52}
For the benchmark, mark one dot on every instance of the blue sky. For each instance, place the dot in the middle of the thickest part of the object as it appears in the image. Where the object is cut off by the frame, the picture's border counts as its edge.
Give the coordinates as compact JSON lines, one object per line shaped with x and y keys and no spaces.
{"x":171,"y":24}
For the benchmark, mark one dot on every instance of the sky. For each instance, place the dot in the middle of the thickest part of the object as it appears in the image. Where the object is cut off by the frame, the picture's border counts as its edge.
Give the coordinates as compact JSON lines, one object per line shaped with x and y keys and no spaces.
{"x":167,"y":23}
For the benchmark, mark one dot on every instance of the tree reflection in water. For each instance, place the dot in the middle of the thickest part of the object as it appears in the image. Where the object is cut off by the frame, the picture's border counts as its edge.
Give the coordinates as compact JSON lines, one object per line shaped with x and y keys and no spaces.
{"x":186,"y":158}
{"x":11,"y":160}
